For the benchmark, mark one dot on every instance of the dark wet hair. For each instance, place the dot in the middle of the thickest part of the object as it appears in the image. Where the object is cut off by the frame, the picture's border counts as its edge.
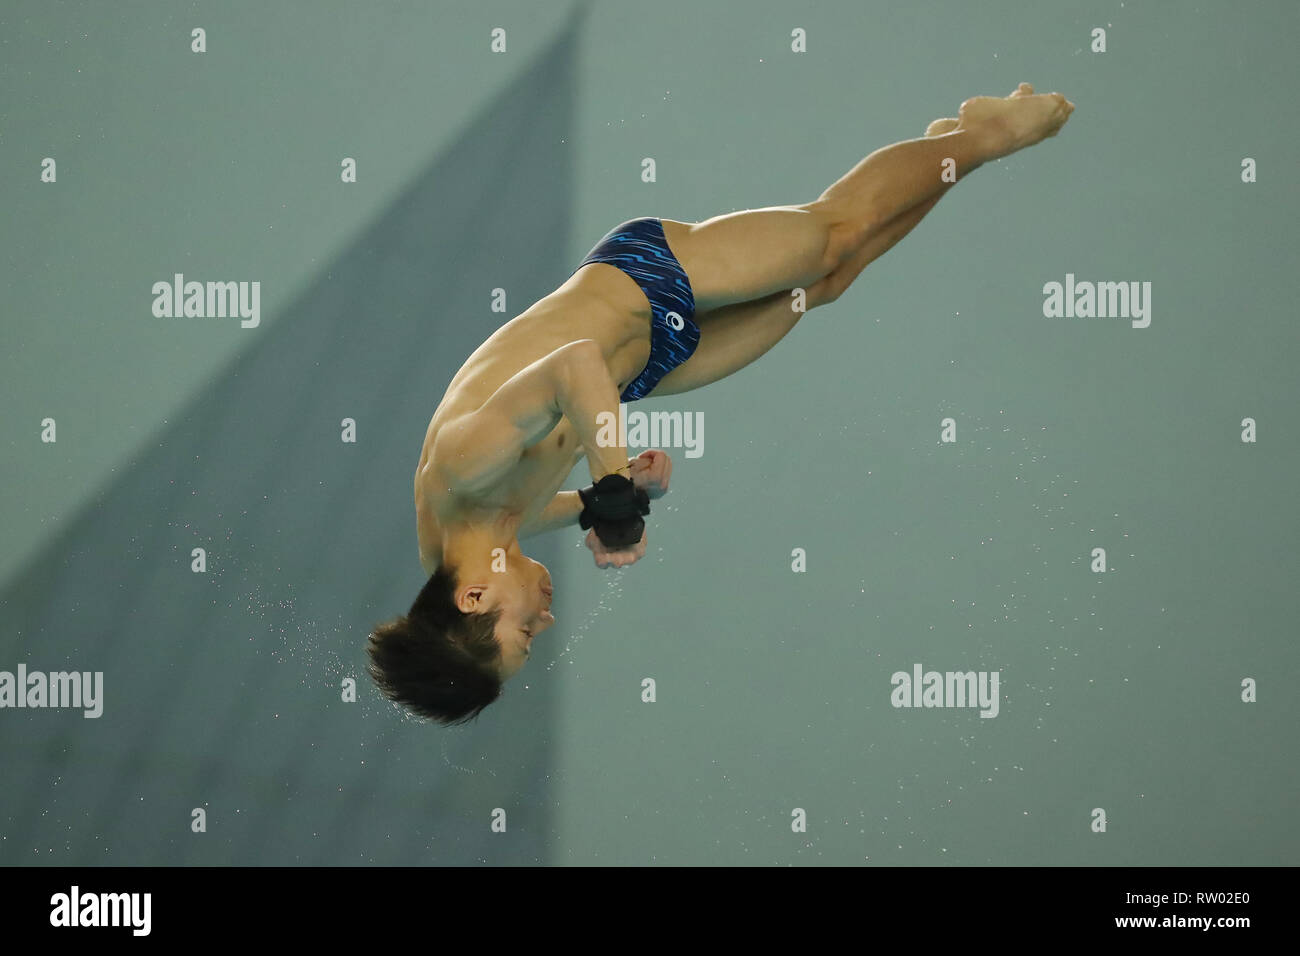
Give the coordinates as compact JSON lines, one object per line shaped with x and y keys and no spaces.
{"x":436,"y":660}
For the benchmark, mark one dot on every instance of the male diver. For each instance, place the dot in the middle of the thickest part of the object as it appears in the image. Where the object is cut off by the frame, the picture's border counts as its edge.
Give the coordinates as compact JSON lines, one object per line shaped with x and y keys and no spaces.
{"x":658,"y":307}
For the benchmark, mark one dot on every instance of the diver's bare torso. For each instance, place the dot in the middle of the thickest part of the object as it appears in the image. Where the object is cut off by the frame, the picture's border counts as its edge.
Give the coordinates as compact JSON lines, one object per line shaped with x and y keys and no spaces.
{"x":598,"y":302}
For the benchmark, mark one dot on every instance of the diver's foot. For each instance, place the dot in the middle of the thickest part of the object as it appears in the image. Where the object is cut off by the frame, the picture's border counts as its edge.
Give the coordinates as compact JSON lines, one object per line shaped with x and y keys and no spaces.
{"x":1005,"y":125}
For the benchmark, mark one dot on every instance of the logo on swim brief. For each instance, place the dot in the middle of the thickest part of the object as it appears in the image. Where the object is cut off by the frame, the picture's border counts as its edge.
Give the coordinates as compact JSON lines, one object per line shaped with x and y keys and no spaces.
{"x":676,"y":321}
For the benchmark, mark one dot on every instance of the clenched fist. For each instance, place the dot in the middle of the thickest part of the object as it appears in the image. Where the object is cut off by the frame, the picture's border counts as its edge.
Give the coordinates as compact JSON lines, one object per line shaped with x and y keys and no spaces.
{"x":650,"y":471}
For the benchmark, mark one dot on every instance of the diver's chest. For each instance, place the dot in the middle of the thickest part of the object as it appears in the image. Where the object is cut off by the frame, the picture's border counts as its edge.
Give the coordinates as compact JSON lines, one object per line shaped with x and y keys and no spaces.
{"x":553,"y":457}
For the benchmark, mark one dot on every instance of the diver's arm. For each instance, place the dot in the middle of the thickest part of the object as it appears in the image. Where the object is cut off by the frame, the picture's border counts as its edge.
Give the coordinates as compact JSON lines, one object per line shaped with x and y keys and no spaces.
{"x":589,"y":399}
{"x":477,"y":450}
{"x":561,"y":512}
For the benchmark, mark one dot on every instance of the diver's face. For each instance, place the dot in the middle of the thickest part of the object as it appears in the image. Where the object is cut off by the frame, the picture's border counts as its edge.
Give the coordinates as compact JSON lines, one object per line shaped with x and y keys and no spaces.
{"x":523,"y":593}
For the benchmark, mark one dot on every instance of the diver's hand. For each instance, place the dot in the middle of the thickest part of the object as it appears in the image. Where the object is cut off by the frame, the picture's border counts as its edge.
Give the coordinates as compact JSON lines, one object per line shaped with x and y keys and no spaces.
{"x":608,"y":558}
{"x":650,"y":471}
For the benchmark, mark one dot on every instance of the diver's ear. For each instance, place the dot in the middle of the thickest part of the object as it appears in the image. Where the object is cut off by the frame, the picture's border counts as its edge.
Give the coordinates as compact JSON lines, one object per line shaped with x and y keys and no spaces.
{"x":470,"y":598}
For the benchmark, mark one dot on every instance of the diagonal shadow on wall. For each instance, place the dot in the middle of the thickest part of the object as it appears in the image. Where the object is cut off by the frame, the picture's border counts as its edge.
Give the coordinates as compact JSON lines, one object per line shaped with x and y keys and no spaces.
{"x":222,"y":689}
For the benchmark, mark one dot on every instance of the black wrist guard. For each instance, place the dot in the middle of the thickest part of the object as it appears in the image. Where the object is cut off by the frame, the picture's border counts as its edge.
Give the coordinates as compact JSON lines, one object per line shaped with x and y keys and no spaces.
{"x":614,"y":506}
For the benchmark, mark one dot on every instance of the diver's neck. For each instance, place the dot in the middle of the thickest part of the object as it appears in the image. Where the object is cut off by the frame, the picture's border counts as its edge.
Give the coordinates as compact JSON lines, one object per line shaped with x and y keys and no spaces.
{"x":479,"y":544}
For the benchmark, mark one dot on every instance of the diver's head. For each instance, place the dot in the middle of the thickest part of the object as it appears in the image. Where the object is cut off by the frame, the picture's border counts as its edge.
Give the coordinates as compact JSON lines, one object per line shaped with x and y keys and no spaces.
{"x":517,"y":591}
{"x":465,"y":635}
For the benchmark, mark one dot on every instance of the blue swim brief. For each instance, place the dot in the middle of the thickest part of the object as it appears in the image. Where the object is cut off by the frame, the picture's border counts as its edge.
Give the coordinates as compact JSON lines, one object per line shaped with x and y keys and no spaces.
{"x":638,"y":247}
